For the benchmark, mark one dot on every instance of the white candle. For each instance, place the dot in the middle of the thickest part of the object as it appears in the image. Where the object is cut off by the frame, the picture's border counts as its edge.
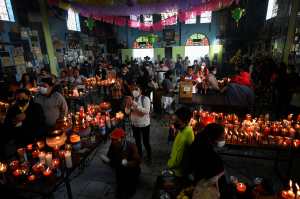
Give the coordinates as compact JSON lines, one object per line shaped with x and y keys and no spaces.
{"x":42,"y":156}
{"x":108,"y":123}
{"x":48,"y":159}
{"x":298,"y":191}
{"x":68,"y":159}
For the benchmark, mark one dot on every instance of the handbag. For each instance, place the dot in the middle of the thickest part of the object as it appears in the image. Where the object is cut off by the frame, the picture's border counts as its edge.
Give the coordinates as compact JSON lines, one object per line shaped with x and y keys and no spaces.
{"x":208,"y":189}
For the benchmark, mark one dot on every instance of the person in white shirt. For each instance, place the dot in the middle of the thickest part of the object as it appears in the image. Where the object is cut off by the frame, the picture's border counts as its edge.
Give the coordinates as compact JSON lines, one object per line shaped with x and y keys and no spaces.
{"x":138,"y":108}
{"x":212,"y":82}
{"x":78,"y":79}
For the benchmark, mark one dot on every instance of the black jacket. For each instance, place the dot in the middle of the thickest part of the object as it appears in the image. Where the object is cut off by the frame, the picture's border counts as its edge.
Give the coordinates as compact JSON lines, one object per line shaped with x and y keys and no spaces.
{"x":205,"y":163}
{"x":32,"y":127}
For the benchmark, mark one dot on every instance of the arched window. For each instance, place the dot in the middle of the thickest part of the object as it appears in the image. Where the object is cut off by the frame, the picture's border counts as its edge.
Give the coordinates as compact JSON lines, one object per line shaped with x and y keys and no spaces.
{"x":143,"y":47}
{"x":197,"y":46}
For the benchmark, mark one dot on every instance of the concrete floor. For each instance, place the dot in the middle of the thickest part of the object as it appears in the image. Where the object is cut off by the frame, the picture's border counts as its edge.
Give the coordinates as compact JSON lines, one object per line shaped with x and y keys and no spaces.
{"x":97,"y":181}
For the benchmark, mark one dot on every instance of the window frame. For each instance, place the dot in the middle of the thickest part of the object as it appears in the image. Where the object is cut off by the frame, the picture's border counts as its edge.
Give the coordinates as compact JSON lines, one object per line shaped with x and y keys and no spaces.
{"x":8,"y":11}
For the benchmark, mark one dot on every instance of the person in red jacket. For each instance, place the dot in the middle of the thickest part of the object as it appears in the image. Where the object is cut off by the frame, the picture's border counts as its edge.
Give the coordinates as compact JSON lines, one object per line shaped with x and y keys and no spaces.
{"x":242,"y":78}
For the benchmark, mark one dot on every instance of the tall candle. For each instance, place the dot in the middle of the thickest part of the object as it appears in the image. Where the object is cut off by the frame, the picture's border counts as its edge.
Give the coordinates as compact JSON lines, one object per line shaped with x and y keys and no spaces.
{"x":42,"y":156}
{"x":48,"y":159}
{"x":298,"y":191}
{"x":68,"y":159}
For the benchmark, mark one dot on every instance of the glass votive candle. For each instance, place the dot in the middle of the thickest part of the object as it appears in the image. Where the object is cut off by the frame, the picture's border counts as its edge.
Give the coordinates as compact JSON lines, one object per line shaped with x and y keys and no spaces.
{"x":241,"y":187}
{"x":31,"y":178}
{"x":47,"y":172}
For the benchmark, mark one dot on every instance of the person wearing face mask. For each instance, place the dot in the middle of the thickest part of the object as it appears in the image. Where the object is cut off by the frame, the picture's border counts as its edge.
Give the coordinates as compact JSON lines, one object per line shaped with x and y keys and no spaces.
{"x":139,"y":110}
{"x":123,"y":156}
{"x":211,"y":80}
{"x":183,"y":141}
{"x":208,"y":164}
{"x":53,"y":103}
{"x":25,"y":120}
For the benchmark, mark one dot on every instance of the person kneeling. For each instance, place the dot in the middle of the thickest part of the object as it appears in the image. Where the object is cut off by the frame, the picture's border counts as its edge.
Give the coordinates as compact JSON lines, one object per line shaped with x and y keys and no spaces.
{"x":123,"y":156}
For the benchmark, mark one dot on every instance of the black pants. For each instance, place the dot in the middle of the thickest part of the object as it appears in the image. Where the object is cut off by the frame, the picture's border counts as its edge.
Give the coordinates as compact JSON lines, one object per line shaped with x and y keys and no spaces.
{"x":138,"y":132}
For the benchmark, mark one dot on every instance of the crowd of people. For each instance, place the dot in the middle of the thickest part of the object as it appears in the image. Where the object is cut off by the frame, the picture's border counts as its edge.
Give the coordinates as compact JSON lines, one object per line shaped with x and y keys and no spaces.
{"x":32,"y":116}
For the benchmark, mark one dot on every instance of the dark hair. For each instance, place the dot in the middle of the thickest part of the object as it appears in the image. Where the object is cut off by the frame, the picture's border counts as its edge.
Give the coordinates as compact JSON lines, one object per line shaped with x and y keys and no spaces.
{"x":48,"y":81}
{"x":184,"y":114}
{"x":211,"y":68}
{"x":213,"y":131}
{"x":23,"y":90}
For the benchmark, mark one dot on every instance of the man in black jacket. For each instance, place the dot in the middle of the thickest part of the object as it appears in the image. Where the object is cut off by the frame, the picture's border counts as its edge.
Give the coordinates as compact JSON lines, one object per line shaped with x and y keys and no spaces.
{"x":25,"y":120}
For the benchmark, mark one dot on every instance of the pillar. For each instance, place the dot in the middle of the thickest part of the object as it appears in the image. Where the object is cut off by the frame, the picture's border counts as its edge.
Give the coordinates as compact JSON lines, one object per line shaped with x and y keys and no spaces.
{"x":47,"y":36}
{"x":291,"y":30}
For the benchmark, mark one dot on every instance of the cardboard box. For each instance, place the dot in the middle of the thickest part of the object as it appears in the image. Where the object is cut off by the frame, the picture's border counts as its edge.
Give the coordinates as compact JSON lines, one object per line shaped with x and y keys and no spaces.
{"x":186,"y":89}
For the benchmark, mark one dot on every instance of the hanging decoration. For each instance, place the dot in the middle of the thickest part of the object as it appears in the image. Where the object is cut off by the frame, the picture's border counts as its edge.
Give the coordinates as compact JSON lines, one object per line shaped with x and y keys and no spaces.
{"x":117,"y":13}
{"x":90,"y":23}
{"x":237,"y":14}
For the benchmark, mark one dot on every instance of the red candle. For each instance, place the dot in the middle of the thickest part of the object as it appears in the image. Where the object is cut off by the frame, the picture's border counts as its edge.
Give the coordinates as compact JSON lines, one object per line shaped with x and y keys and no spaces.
{"x":35,"y":153}
{"x":31,"y":178}
{"x":47,"y":172}
{"x":38,"y":168}
{"x":17,"y":172}
{"x":284,"y":194}
{"x":29,"y":147}
{"x":61,"y":154}
{"x":241,"y":187}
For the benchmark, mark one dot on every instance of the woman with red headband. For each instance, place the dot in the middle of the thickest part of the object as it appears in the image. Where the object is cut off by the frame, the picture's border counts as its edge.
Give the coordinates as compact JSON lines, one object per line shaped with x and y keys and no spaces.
{"x":123,"y":156}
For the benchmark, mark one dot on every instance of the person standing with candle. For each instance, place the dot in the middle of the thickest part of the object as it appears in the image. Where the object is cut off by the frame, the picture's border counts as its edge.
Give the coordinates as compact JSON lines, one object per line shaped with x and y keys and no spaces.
{"x":123,"y":156}
{"x":139,"y":110}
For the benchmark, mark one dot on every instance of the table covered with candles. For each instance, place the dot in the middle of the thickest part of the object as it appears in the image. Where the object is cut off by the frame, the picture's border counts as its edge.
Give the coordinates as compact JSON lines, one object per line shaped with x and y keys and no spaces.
{"x":41,"y":167}
{"x":256,"y":138}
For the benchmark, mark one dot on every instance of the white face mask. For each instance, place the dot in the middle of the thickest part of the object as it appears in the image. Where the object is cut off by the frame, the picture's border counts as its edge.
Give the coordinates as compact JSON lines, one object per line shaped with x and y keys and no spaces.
{"x":135,"y":93}
{"x":43,"y":90}
{"x":221,"y":144}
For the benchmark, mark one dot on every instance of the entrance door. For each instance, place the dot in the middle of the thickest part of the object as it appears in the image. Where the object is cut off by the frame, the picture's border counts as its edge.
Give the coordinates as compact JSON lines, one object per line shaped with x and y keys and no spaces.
{"x":168,"y":52}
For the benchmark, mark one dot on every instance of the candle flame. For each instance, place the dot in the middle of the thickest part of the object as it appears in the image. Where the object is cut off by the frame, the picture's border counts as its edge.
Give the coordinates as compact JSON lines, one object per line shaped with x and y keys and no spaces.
{"x":291,"y":184}
{"x":297,"y":186}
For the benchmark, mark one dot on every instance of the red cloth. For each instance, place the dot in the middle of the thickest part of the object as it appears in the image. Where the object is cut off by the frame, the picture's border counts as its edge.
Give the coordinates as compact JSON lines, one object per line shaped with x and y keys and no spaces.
{"x":117,"y":133}
{"x":243,"y":79}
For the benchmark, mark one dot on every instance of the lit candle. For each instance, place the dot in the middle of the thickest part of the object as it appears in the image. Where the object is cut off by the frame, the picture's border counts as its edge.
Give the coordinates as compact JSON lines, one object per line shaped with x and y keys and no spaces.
{"x":3,"y":167}
{"x":29,"y":147}
{"x":17,"y":172}
{"x":68,"y":147}
{"x":48,"y":159}
{"x":61,"y":154}
{"x":298,"y":191}
{"x":38,"y":168}
{"x":31,"y":178}
{"x":290,"y":193}
{"x":40,"y":144}
{"x":42,"y":156}
{"x":35,"y":154}
{"x":55,"y":163}
{"x":47,"y":172}
{"x":68,"y":159}
{"x":241,"y":187}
